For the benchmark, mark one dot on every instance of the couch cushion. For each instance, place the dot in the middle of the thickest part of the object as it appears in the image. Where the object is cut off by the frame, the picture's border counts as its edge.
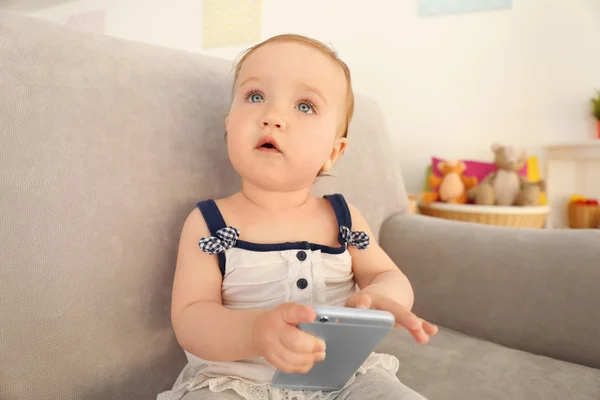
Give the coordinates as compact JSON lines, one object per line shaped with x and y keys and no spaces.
{"x":105,"y":147}
{"x":453,"y":366}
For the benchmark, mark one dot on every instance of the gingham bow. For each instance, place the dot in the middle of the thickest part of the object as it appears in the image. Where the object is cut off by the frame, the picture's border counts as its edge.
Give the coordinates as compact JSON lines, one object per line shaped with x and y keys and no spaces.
{"x":359,"y":239}
{"x":225,"y":239}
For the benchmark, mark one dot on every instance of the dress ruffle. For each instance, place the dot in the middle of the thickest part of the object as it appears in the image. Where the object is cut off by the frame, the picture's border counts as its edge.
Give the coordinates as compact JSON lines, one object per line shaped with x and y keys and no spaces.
{"x":264,"y":391}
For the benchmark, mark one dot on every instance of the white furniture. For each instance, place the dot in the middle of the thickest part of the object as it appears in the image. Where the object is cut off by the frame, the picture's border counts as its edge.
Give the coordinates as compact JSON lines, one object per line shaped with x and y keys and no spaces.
{"x":570,"y":168}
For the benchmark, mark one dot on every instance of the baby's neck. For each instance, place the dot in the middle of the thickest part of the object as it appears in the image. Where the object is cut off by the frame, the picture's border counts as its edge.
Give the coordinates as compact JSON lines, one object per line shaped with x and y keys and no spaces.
{"x":274,"y":200}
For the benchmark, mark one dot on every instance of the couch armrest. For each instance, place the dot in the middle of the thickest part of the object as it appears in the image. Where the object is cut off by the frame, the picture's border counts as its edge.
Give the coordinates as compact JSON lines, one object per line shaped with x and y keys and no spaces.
{"x":534,"y":290}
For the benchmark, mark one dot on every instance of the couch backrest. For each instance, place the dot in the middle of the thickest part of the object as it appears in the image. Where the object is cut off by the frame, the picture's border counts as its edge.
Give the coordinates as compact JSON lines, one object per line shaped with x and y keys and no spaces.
{"x":105,"y":146}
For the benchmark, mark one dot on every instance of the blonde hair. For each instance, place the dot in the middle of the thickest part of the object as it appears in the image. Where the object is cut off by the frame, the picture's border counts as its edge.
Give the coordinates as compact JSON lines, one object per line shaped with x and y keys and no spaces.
{"x":315,"y":44}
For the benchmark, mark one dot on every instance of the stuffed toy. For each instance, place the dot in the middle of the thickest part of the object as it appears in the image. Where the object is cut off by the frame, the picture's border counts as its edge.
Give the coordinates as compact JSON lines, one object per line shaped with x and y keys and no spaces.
{"x":452,"y":185}
{"x":530,"y":193}
{"x":505,"y":186}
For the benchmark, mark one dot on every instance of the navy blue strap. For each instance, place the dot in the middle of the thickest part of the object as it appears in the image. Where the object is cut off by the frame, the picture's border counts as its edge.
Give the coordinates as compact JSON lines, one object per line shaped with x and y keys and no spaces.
{"x":342,"y":213}
{"x":214,"y":220}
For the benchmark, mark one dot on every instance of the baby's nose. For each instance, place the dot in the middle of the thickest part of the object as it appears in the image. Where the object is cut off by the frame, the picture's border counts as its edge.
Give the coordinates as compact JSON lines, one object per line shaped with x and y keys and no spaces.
{"x":273,"y":122}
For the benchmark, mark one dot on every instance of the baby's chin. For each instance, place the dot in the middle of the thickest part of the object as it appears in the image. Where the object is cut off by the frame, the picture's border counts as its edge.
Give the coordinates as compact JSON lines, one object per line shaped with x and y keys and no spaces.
{"x":276,"y":179}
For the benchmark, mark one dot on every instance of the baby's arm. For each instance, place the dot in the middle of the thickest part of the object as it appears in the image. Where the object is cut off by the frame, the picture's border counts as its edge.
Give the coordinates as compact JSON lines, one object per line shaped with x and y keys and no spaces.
{"x":382,"y":284}
{"x":202,"y":325}
{"x":207,"y":329}
{"x":375,"y":270}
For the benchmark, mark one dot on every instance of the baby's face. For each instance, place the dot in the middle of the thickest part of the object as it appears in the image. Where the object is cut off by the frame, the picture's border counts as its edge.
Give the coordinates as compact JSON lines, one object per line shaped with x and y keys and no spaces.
{"x":293,"y":98}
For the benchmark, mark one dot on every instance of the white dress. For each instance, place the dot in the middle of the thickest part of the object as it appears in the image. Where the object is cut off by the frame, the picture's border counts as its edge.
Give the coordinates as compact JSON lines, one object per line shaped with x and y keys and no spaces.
{"x":263,"y":276}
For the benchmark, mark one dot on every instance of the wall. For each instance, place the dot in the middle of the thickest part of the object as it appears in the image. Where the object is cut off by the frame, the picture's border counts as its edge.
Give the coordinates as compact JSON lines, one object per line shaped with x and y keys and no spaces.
{"x":449,"y":85}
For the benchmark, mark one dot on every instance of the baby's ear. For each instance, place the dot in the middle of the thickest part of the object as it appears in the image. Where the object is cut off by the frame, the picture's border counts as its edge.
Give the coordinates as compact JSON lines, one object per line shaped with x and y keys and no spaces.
{"x":339,"y":146}
{"x":343,"y":148}
{"x":441,"y":166}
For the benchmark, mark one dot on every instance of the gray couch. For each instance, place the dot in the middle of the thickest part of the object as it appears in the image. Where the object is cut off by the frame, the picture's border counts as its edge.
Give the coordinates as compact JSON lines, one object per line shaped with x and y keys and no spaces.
{"x":106,"y":145}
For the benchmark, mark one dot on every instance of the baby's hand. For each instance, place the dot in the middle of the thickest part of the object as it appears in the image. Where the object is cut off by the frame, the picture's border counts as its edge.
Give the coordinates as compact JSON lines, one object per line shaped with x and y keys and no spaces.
{"x":420,"y":329}
{"x":278,"y":339}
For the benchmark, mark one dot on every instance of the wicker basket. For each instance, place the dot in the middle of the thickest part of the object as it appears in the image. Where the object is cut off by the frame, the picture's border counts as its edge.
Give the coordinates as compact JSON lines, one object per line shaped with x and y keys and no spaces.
{"x":518,"y":217}
{"x":583,"y":216}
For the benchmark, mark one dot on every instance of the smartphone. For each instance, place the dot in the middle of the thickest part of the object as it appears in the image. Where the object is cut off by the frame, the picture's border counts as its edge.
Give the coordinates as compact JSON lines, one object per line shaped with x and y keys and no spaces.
{"x":350,"y":336}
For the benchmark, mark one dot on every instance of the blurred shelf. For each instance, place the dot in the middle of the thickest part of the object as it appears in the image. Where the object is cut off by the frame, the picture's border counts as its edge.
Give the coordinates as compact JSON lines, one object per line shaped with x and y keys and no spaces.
{"x":571,"y":168}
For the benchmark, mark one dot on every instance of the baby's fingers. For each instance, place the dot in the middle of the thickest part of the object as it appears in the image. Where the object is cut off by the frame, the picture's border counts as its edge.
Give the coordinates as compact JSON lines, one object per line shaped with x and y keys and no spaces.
{"x":291,"y":362}
{"x":404,"y":317}
{"x":429,"y":328}
{"x":301,"y":342}
{"x":420,"y":336}
{"x":360,"y":300}
{"x":280,"y":363}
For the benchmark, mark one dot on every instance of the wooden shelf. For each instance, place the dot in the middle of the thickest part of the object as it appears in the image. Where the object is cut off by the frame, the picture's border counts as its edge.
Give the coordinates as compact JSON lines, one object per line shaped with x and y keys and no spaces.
{"x":571,"y":151}
{"x":570,"y":168}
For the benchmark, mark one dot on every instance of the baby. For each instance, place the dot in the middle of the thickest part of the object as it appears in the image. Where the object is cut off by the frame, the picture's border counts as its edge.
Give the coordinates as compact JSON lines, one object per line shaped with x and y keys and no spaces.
{"x":250,"y":266}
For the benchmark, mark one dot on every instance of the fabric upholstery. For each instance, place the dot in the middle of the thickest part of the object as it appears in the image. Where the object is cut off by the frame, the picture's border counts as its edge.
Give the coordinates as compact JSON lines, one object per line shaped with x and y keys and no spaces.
{"x":535,"y":290}
{"x":106,"y":146}
{"x":454,"y":366}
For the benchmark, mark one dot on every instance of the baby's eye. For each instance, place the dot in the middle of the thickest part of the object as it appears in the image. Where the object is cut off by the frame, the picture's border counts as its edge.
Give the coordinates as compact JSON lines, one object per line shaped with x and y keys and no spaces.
{"x":305,"y":108}
{"x":256,"y":98}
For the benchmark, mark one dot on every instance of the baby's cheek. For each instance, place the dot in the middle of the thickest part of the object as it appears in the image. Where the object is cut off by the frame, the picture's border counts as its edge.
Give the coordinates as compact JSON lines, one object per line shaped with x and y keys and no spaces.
{"x":237,"y":146}
{"x":325,"y":129}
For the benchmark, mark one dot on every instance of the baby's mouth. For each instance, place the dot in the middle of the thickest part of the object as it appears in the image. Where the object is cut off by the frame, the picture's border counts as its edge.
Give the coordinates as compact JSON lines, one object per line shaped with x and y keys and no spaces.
{"x":268,"y":144}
